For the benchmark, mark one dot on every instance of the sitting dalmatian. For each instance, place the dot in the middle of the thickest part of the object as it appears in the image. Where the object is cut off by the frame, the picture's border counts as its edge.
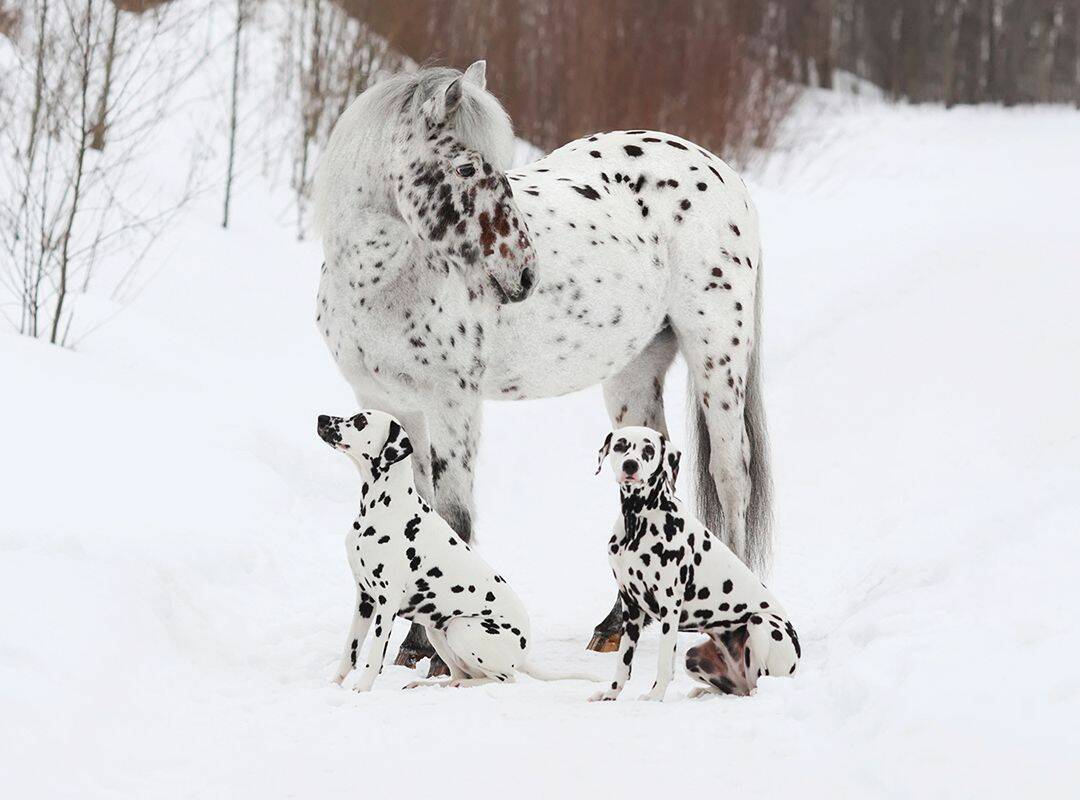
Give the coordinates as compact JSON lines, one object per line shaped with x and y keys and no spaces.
{"x":407,"y":561}
{"x":670,"y":568}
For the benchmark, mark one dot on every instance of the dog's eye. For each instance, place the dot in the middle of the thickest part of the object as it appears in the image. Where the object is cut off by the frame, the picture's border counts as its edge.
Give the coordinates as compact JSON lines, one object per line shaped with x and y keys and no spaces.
{"x":466,"y":170}
{"x":647,"y":452}
{"x":620,"y":447}
{"x":359,"y":422}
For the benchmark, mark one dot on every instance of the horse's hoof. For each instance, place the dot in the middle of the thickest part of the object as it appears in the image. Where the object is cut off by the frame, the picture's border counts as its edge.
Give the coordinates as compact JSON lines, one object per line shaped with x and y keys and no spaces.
{"x":604,"y":642}
{"x":410,"y":657}
{"x":437,"y":667}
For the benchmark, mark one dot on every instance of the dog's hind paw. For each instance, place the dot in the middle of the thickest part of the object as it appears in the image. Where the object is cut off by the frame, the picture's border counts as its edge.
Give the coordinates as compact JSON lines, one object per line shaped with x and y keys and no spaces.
{"x":418,"y":684}
{"x":702,"y":691}
{"x":604,"y":696}
{"x":653,"y":697}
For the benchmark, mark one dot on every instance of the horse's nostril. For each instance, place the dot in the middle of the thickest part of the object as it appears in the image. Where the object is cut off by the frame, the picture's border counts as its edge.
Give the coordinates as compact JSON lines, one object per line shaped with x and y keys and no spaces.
{"x":630,"y":467}
{"x":527,"y":278}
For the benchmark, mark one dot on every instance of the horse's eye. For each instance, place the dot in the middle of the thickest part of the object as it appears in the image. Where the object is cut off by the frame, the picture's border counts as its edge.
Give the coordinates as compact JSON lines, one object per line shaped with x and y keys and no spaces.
{"x":647,"y":452}
{"x":466,"y":170}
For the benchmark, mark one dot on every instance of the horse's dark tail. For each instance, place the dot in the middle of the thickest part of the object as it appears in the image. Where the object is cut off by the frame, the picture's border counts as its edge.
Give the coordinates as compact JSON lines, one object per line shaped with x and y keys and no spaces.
{"x":758,"y":555}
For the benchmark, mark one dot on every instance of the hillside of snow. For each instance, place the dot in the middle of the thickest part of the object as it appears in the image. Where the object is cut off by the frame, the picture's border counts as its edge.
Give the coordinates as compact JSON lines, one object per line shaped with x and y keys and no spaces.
{"x":174,"y":593}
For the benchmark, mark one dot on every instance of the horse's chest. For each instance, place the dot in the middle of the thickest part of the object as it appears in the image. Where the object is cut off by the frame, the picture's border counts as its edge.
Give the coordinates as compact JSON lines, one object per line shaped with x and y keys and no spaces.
{"x":402,"y":347}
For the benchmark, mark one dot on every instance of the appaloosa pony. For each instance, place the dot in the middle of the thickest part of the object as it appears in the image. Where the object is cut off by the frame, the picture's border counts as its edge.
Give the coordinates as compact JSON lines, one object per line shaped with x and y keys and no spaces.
{"x":449,"y":279}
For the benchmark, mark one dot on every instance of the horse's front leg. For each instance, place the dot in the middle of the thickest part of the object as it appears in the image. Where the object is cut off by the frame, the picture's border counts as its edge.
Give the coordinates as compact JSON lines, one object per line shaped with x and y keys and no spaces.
{"x":454,"y":430}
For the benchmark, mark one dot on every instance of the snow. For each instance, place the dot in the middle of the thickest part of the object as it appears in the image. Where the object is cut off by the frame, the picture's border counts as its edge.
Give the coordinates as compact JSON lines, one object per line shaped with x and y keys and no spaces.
{"x":174,"y":591}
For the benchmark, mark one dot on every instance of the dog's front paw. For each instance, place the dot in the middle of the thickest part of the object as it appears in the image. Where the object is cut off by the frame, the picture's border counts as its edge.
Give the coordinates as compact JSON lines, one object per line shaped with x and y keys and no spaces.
{"x":340,"y":679}
{"x":606,"y":694}
{"x":362,"y":687}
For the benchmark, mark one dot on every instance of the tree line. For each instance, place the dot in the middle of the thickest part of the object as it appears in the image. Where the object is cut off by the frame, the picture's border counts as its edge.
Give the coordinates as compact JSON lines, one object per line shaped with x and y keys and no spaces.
{"x":720,"y":71}
{"x":951,"y":51}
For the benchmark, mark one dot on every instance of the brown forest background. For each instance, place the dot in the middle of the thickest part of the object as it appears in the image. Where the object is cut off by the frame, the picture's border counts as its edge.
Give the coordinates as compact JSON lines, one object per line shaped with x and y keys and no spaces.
{"x":717,"y":71}
{"x":722,"y":72}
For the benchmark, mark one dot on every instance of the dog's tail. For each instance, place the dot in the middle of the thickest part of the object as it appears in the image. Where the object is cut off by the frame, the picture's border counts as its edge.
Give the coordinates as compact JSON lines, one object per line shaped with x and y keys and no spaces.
{"x":543,"y":675}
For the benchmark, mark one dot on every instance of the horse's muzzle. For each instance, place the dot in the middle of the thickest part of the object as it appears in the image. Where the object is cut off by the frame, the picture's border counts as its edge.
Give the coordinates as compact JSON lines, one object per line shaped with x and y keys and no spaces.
{"x":528,"y":277}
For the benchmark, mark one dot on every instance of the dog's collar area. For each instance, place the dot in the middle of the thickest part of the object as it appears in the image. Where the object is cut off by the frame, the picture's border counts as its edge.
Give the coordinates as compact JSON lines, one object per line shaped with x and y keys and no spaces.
{"x":653,"y":488}
{"x":378,"y":473}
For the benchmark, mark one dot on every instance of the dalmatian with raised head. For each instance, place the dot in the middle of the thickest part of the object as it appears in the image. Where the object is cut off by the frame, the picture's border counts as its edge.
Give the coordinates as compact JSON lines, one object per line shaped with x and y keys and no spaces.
{"x":674,"y":571}
{"x":408,"y":562}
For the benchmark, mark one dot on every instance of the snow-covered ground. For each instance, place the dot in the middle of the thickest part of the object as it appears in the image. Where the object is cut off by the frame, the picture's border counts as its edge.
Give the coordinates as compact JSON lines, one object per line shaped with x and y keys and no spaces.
{"x":174,"y":594}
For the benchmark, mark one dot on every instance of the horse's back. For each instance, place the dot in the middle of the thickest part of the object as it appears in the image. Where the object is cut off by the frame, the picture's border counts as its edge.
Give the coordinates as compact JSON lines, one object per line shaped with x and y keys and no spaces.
{"x":655,"y":167}
{"x":615,"y":219}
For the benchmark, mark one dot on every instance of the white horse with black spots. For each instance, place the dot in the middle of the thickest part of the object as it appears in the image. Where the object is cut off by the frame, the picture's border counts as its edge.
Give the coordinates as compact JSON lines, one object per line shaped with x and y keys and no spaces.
{"x":626,"y":248}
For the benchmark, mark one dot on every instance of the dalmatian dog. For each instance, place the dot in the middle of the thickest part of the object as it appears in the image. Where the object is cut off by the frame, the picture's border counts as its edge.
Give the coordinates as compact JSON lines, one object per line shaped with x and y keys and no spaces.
{"x":408,"y":562}
{"x":674,"y":571}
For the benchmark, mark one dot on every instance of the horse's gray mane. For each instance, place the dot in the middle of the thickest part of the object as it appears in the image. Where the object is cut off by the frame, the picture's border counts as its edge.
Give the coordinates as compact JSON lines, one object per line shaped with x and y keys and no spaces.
{"x":360,"y":149}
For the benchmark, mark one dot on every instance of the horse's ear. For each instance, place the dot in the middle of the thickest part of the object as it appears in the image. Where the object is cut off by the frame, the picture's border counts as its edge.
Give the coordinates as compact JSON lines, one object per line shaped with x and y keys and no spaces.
{"x":605,"y":448}
{"x":476,"y":74}
{"x":439,"y":108}
{"x":396,"y":447}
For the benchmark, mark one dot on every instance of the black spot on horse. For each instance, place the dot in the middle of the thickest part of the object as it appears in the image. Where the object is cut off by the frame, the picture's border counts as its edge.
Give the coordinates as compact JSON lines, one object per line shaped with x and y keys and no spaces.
{"x":587,"y":192}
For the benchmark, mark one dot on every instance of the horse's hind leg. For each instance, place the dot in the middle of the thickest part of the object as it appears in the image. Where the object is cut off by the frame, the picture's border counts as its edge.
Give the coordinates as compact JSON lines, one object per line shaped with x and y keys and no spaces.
{"x":635,"y":396}
{"x":717,"y":361}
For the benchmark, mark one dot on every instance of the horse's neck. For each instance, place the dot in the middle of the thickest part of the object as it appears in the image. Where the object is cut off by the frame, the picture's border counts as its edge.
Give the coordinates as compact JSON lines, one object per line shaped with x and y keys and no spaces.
{"x":374,"y":262}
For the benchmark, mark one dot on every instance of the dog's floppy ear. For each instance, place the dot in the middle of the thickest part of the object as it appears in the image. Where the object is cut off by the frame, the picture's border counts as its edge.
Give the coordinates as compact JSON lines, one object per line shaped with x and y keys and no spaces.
{"x":605,"y":448}
{"x":670,"y":455}
{"x":396,"y":447}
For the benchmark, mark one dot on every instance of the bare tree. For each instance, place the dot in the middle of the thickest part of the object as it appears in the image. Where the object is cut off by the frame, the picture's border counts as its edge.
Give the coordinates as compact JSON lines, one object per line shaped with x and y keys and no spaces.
{"x":329,"y":57}
{"x":90,"y":88}
{"x":97,"y":141}
{"x":231,"y":165}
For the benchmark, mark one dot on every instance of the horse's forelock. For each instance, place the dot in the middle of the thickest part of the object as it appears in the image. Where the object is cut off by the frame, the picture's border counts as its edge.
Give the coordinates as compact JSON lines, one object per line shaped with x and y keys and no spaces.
{"x":361,"y":143}
{"x":480,"y":122}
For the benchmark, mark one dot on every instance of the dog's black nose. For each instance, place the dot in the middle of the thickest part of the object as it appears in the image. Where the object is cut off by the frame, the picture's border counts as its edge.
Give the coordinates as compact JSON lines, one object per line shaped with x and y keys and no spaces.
{"x":324,"y":420}
{"x":630,"y":467}
{"x":527,"y":278}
